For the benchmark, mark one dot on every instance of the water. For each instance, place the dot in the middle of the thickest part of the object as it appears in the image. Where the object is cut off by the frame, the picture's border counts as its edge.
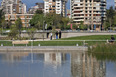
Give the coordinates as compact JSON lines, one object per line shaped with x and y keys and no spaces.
{"x":51,"y":64}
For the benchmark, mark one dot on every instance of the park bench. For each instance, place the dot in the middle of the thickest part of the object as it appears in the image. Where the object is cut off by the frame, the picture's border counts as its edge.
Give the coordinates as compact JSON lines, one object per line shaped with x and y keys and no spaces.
{"x":20,"y":42}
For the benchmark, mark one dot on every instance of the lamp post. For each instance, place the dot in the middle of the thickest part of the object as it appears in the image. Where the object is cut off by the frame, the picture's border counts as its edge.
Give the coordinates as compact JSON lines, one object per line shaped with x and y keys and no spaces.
{"x":43,"y":30}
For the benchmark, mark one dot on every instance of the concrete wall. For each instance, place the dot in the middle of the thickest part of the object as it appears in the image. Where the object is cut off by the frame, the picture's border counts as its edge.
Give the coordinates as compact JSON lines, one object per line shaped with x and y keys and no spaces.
{"x":66,"y":34}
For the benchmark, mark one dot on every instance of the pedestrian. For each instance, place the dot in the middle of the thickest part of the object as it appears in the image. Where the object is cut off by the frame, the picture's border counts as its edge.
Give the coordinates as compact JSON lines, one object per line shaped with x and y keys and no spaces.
{"x":51,"y":36}
{"x":56,"y":34}
{"x":112,"y":39}
{"x":60,"y":34}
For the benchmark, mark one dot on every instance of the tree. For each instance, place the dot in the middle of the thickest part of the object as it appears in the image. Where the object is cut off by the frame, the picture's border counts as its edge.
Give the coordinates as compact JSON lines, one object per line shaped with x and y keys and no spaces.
{"x":37,"y":21}
{"x":110,"y":15}
{"x":65,"y":21}
{"x":13,"y":31}
{"x":82,"y":26}
{"x":114,"y":22}
{"x":53,"y":20}
{"x":1,"y":17}
{"x":31,"y":32}
{"x":18,"y":24}
{"x":106,"y":25}
{"x":38,"y":12}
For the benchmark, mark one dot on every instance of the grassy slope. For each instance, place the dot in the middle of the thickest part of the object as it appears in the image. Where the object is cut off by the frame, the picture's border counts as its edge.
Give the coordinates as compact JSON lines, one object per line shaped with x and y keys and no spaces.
{"x":92,"y":37}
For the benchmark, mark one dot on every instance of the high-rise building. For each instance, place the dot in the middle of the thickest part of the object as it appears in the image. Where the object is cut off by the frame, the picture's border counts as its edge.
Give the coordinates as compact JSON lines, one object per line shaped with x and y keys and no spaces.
{"x":13,"y":7}
{"x":91,"y":12}
{"x":55,"y":6}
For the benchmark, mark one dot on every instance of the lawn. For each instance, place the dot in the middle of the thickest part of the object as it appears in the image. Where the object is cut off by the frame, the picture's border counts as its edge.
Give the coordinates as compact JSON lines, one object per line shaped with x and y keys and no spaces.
{"x":73,"y":41}
{"x":92,"y":37}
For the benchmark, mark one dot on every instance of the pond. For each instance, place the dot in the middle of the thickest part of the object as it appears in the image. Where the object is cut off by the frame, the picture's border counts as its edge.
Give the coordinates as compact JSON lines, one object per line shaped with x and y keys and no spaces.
{"x":55,"y":64}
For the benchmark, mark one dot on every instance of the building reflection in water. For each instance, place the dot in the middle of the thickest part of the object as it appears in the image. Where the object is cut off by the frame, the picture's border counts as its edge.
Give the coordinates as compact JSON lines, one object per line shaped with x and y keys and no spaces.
{"x":80,"y":64}
{"x":13,"y":57}
{"x":83,"y":65}
{"x":54,"y":58}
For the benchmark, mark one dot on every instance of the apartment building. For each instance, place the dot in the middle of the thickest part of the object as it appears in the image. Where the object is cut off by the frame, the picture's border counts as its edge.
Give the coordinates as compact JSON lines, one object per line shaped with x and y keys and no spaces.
{"x":13,"y":7}
{"x":25,"y":18}
{"x":55,"y":6}
{"x":38,"y":6}
{"x":91,"y":12}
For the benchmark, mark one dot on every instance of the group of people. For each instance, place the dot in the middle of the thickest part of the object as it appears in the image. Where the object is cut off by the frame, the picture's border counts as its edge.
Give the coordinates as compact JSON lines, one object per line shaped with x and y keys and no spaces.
{"x":58,"y":35}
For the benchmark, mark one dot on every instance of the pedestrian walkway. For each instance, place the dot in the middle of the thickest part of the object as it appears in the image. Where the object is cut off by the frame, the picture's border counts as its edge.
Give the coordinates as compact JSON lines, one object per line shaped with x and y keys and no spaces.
{"x":44,"y":39}
{"x":42,"y":48}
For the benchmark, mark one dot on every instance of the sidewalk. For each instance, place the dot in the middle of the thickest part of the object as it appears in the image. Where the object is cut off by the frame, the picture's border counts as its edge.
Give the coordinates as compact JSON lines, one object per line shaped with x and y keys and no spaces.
{"x":45,"y":39}
{"x":42,"y":48}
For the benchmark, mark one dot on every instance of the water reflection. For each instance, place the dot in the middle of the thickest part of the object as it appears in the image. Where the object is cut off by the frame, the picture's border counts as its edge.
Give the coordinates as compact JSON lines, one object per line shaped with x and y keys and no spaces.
{"x":51,"y":64}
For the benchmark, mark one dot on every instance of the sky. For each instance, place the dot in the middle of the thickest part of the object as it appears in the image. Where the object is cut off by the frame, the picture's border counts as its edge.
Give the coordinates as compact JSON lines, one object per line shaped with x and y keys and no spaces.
{"x":30,"y":3}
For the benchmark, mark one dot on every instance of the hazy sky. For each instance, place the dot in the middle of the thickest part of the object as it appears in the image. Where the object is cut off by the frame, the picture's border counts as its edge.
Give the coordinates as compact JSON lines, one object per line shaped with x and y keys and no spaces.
{"x":30,"y":3}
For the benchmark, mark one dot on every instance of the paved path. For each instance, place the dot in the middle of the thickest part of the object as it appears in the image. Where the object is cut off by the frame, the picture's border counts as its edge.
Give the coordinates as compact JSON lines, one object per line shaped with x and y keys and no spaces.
{"x":42,"y":48}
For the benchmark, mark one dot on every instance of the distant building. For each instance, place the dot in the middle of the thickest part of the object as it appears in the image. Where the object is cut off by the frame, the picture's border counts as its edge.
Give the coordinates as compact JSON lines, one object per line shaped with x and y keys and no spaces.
{"x":13,"y":7}
{"x":55,"y":6}
{"x":91,"y":12}
{"x":25,"y":18}
{"x":39,"y":6}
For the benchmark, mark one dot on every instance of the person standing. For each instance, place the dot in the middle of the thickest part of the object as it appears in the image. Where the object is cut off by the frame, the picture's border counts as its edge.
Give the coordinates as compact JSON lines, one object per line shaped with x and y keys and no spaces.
{"x":60,"y":34}
{"x":56,"y":34}
{"x":51,"y":36}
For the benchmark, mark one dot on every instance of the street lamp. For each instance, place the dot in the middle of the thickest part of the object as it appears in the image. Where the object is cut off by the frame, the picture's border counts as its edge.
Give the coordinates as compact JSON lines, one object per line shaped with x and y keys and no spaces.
{"x":43,"y":30}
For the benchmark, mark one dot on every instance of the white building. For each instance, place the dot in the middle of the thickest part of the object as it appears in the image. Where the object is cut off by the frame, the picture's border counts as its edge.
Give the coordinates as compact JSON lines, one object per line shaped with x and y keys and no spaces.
{"x":54,"y":58}
{"x":13,"y":7}
{"x":91,"y":12}
{"x":55,"y":6}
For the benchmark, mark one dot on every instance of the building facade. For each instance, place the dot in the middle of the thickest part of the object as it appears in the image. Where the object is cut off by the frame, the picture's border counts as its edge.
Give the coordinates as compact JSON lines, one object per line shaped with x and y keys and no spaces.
{"x":25,"y":18}
{"x":55,"y":6}
{"x":91,"y":12}
{"x":13,"y":7}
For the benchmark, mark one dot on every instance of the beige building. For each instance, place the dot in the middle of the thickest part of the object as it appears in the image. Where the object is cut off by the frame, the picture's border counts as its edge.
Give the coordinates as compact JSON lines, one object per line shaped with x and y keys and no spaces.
{"x":55,"y":6}
{"x":14,"y":9}
{"x":25,"y":18}
{"x":91,"y":12}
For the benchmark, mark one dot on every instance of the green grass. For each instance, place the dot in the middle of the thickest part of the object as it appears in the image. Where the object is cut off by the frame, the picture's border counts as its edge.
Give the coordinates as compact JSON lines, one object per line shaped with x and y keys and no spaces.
{"x":6,"y":43}
{"x":92,"y":37}
{"x":67,"y":43}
